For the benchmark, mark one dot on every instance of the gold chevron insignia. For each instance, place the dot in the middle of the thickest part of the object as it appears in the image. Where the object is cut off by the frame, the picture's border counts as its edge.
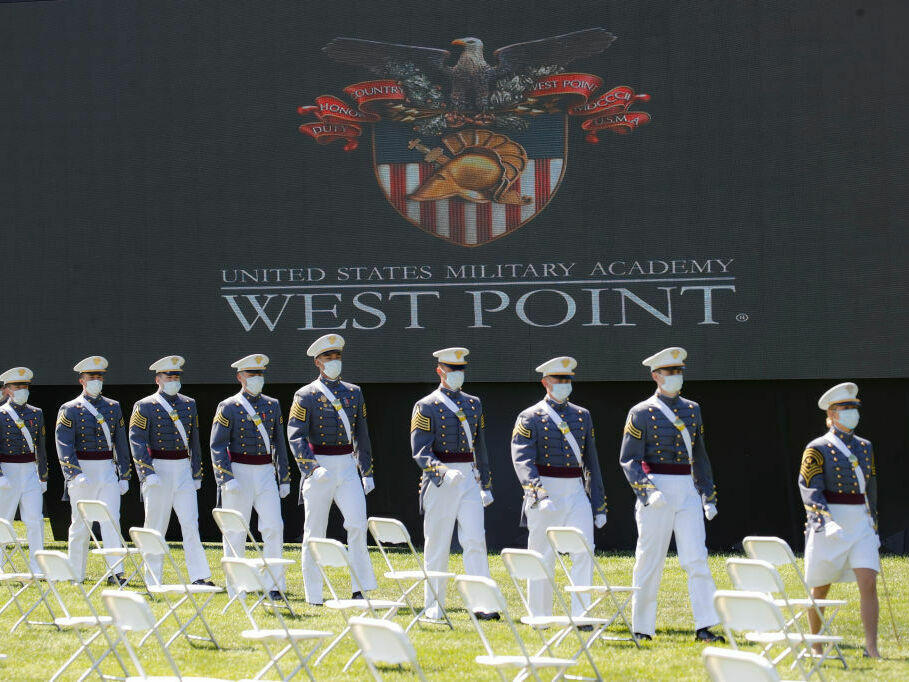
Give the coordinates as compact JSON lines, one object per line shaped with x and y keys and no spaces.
{"x":632,"y":431}
{"x":418,"y":421}
{"x":520,"y":430}
{"x":138,"y":420}
{"x":61,"y":419}
{"x":297,"y":412}
{"x":221,"y":419}
{"x":812,"y":464}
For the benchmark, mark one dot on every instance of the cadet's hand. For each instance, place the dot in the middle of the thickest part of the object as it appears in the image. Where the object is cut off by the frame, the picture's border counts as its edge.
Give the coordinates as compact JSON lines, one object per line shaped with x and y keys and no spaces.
{"x":4,"y":483}
{"x":124,"y":486}
{"x":546,"y":505}
{"x":152,"y":481}
{"x":230,"y":486}
{"x":656,"y":499}
{"x":368,"y":485}
{"x":284,"y":490}
{"x":486,"y":496}
{"x":198,"y":483}
{"x":80,"y":481}
{"x":599,"y":520}
{"x":452,"y":477}
{"x":710,"y":511}
{"x":317,"y":473}
{"x":43,"y":487}
{"x":832,"y":529}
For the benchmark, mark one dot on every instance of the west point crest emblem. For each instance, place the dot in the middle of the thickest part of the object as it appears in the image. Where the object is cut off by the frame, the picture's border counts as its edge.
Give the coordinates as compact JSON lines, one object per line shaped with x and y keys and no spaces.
{"x":465,"y":149}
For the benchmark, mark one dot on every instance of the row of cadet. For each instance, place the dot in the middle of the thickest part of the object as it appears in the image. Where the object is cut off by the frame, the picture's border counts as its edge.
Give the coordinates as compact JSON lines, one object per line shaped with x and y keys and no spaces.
{"x":553,"y":450}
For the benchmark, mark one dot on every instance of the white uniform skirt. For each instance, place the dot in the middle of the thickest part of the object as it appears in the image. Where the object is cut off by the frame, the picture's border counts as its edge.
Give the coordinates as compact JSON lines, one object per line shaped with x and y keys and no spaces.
{"x":832,"y":560}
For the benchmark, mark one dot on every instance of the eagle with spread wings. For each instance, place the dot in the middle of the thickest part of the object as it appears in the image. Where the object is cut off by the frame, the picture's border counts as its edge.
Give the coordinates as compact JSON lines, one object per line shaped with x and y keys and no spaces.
{"x":471,"y":76}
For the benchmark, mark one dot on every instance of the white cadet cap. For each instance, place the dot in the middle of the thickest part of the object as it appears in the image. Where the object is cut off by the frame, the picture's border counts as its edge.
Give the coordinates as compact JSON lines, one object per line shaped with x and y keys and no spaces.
{"x":841,"y":393}
{"x":326,"y":343}
{"x":668,"y":357}
{"x":251,"y":362}
{"x":562,"y":365}
{"x":452,"y":356}
{"x":170,"y":363}
{"x":93,"y":363}
{"x":17,"y":375}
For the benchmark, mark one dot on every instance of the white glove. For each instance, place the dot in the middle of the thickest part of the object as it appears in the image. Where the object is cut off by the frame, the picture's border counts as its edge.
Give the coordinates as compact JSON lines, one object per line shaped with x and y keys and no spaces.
{"x":124,"y":486}
{"x":230,"y":486}
{"x":710,"y":511}
{"x":546,"y":505}
{"x":599,"y":520}
{"x":452,"y":477}
{"x":79,"y":481}
{"x":152,"y":481}
{"x":284,"y":490}
{"x":317,"y":473}
{"x":486,"y":496}
{"x":368,"y":485}
{"x":43,"y":487}
{"x":198,"y":483}
{"x":4,"y":483}
{"x":832,"y":529}
{"x":656,"y":499}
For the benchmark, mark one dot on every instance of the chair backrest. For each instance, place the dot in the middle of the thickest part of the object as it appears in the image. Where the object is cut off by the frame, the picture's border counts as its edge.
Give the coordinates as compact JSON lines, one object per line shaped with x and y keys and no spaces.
{"x":525,"y":564}
{"x":768,"y":548}
{"x":328,"y":552}
{"x":481,"y":594}
{"x":7,"y":533}
{"x":94,"y":511}
{"x":149,"y":541}
{"x":388,"y":531}
{"x":754,"y":575}
{"x":241,"y":575}
{"x":382,"y":641}
{"x":567,"y":540}
{"x":729,"y":665}
{"x":752,"y":611}
{"x":130,"y":611}
{"x":55,"y":566}
{"x":229,"y":520}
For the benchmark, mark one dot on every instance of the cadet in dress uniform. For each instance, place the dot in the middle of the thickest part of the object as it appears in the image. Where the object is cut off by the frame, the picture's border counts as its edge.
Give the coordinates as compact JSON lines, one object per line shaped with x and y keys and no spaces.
{"x":164,"y":437}
{"x":448,"y":441}
{"x":838,"y":483}
{"x":665,"y":461}
{"x":329,"y":440}
{"x":554,"y":452}
{"x":247,"y":451}
{"x":94,"y":455}
{"x":23,"y":462}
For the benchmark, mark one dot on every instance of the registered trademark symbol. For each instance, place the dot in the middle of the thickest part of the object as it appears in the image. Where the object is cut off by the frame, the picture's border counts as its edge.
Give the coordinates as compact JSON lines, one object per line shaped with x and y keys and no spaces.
{"x":742,"y":317}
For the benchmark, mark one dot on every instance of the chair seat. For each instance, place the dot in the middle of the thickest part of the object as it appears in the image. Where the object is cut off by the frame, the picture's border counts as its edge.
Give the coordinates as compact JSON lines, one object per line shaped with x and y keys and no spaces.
{"x":543,"y":621}
{"x":115,"y":551}
{"x":278,"y":634}
{"x":183,"y":589}
{"x":346,"y":604}
{"x":522,"y":662}
{"x":599,"y":588}
{"x":82,"y":622}
{"x":792,"y":637}
{"x":417,"y":575}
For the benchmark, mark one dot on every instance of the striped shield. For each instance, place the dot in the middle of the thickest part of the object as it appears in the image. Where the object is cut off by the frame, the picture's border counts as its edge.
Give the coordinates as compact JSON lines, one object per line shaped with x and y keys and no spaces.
{"x":401,"y":166}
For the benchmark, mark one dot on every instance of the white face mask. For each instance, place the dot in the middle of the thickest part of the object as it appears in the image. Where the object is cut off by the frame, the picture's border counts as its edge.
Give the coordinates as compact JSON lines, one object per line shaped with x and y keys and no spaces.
{"x":561,"y":391}
{"x":848,"y":418}
{"x":454,"y":380}
{"x":332,"y":368}
{"x":672,"y":383}
{"x":171,"y":387}
{"x":20,"y":396}
{"x":93,"y":387}
{"x":254,"y":384}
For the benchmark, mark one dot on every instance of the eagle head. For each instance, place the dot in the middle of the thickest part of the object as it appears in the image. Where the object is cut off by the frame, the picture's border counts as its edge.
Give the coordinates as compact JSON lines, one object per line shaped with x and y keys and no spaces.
{"x":471,"y":44}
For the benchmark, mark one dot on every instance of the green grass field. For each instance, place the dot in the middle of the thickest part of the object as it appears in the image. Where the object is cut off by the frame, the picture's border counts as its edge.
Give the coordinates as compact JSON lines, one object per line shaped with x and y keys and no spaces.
{"x":34,"y":653}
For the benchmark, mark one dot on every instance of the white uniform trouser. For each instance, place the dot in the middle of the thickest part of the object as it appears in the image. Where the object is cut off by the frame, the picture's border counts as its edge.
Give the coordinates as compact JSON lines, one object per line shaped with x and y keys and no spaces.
{"x":103,"y":486}
{"x":442,"y":506}
{"x":683,"y":515}
{"x":24,"y":492}
{"x":257,"y":488}
{"x":571,"y":508}
{"x":342,"y":486}
{"x":176,"y":491}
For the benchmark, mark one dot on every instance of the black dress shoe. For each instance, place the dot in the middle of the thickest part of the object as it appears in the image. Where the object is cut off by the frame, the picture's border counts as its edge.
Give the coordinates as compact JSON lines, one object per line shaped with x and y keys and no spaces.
{"x":275,"y":595}
{"x":704,"y":635}
{"x":357,"y":595}
{"x":117,"y":580}
{"x":483,"y":615}
{"x":641,"y":636}
{"x":585,"y":628}
{"x":203,"y":581}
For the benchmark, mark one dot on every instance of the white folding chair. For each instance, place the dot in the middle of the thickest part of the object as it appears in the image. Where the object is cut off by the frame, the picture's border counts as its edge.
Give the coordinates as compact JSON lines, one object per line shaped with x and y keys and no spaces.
{"x":527,"y":565}
{"x":329,"y":553}
{"x":777,"y":552}
{"x":760,"y":619}
{"x":568,"y":540}
{"x":383,"y":642}
{"x":232,"y":521}
{"x":729,"y":665}
{"x":17,"y":571}
{"x":393,"y":532}
{"x":483,"y":595}
{"x":754,"y":575}
{"x":151,"y":545}
{"x":55,"y":568}
{"x":96,"y":511}
{"x":247,"y":579}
